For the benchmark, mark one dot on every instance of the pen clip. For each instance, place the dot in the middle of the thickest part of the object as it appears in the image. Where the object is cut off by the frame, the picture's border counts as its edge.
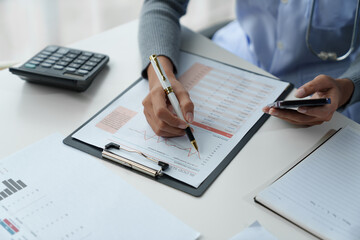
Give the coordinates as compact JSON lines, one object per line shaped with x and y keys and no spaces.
{"x":155,"y":60}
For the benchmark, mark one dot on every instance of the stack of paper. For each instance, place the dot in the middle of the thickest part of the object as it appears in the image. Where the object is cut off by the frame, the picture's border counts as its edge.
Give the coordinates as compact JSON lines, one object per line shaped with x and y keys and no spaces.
{"x":51,"y":191}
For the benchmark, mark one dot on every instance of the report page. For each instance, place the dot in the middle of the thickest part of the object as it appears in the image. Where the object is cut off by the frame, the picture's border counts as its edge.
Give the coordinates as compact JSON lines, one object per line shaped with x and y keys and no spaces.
{"x":228,"y":102}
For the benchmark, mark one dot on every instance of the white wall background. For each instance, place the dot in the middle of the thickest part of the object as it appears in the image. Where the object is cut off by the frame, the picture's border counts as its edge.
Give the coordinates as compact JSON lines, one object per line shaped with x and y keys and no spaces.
{"x":26,"y":26}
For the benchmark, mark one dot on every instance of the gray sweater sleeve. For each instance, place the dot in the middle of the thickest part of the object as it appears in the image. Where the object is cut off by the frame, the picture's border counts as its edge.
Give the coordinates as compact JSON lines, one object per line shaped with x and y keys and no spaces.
{"x":159,"y":30}
{"x":353,"y":73}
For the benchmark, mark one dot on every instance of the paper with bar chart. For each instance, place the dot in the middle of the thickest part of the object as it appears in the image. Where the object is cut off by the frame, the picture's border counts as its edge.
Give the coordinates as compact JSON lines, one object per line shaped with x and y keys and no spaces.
{"x":228,"y":102}
{"x":51,"y":191}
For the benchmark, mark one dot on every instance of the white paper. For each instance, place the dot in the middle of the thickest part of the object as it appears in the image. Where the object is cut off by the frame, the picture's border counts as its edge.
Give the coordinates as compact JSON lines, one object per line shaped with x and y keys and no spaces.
{"x":321,"y":194}
{"x":70,"y":195}
{"x":228,"y":102}
{"x":254,"y":232}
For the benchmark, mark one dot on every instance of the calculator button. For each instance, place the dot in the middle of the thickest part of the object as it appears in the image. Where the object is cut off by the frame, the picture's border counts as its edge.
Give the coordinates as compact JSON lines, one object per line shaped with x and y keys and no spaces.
{"x":67,"y":59}
{"x":38,"y":59}
{"x":75,"y":52}
{"x":29,"y":65}
{"x":87,"y":54}
{"x":79,"y":61}
{"x":34,"y":62}
{"x":51,"y":49}
{"x":58,"y":67}
{"x":83,"y":57}
{"x":46,"y":53}
{"x":62,"y":63}
{"x":88,"y":68}
{"x":49,"y":61}
{"x":71,"y":55}
{"x":82,"y":72}
{"x":47,"y":65}
{"x":99,"y":56}
{"x":74,"y":65}
{"x":70,"y":69}
{"x":54,"y":58}
{"x":94,"y":59}
{"x":62,"y":51}
{"x":42,"y":56}
{"x":58,"y":55}
{"x":89,"y":63}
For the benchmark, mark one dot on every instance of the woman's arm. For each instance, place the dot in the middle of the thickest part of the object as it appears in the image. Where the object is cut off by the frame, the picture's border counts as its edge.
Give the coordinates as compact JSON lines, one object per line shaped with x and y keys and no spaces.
{"x":159,"y":33}
{"x":159,"y":30}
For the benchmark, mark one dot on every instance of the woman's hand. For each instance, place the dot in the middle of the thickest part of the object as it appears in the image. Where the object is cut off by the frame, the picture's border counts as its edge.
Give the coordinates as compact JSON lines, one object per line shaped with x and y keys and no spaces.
{"x":339,"y":90}
{"x":157,"y":109}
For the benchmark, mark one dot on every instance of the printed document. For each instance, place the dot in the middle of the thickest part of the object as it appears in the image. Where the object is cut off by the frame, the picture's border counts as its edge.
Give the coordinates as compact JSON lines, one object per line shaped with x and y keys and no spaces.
{"x":52,"y":191}
{"x":228,"y":102}
{"x":254,"y":232}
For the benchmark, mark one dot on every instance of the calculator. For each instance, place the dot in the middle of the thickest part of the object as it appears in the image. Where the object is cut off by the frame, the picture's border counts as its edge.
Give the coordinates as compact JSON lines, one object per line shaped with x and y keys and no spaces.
{"x":62,"y":67}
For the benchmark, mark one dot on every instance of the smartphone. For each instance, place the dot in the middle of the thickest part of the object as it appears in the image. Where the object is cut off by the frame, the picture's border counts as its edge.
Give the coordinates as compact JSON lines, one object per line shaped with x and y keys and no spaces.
{"x":300,"y":103}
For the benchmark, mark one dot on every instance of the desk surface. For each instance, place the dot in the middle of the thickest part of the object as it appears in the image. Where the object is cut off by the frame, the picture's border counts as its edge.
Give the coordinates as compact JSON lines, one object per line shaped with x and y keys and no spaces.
{"x":31,"y":112}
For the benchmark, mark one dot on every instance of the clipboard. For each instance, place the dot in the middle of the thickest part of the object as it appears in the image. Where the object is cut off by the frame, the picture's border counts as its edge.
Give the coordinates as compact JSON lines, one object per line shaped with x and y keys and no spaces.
{"x":165,"y":179}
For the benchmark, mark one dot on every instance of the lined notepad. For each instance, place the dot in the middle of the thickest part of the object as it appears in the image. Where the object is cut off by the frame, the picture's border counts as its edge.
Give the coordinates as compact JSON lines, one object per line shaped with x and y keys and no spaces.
{"x":322,"y":193}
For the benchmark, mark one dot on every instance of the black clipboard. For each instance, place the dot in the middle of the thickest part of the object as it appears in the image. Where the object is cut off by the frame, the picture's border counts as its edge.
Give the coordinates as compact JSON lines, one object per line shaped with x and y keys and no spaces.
{"x":165,"y":179}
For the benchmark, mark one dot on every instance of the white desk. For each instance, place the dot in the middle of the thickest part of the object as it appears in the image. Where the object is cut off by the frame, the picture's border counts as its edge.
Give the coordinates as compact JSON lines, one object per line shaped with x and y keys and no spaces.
{"x":30,"y":112}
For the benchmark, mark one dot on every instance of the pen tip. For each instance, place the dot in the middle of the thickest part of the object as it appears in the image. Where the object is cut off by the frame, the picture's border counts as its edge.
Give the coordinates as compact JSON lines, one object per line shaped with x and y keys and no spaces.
{"x":195,"y":145}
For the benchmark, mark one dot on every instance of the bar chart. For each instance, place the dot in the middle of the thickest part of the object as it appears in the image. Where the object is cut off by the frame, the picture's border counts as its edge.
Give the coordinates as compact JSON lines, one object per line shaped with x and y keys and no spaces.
{"x":11,"y":188}
{"x":28,"y":211}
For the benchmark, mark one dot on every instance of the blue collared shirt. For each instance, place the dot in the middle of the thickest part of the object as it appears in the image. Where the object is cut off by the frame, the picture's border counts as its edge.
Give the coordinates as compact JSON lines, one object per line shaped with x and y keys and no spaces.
{"x":271,"y":35}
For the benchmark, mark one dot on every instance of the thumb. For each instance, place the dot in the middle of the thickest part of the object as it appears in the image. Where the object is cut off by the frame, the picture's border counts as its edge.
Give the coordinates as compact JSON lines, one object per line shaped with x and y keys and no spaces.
{"x":320,"y":84}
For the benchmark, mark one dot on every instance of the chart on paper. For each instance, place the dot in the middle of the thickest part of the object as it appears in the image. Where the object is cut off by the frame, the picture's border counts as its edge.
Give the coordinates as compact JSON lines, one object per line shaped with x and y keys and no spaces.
{"x":22,"y":208}
{"x":151,"y":136}
{"x":11,"y":188}
{"x":228,"y":102}
{"x":223,"y":100}
{"x":56,"y":192}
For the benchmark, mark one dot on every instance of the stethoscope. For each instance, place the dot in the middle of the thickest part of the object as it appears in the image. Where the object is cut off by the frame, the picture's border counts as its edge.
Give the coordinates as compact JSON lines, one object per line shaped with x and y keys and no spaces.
{"x":332,"y":55}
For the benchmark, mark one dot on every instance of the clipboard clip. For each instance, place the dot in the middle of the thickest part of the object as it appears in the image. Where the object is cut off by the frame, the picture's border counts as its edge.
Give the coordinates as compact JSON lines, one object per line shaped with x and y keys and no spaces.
{"x":132,"y":164}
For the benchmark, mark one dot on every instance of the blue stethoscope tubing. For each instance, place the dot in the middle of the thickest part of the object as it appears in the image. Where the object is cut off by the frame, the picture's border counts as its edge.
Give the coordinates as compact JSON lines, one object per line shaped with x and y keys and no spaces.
{"x":332,"y":55}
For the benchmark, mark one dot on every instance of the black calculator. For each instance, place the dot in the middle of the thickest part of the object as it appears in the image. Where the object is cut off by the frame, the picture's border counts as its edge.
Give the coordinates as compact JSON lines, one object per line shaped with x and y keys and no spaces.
{"x":62,"y":67}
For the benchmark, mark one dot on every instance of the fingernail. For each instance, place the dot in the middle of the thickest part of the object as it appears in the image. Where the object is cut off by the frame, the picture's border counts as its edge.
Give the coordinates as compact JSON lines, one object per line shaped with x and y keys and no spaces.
{"x":189,"y":117}
{"x":182,"y":126}
{"x":300,"y":93}
{"x":273,"y":112}
{"x":301,"y":110}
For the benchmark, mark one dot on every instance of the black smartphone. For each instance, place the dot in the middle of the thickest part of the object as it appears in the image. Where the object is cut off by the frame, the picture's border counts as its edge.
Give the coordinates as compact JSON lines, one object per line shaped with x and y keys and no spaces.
{"x":300,"y":103}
